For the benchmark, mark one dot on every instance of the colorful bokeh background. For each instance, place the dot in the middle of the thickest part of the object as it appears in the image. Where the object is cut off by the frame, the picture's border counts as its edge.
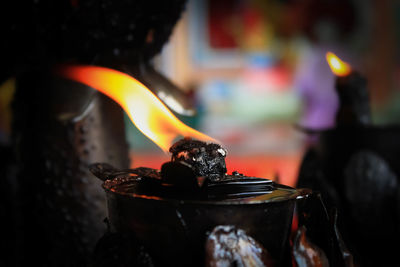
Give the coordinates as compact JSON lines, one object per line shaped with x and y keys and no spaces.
{"x":255,"y":71}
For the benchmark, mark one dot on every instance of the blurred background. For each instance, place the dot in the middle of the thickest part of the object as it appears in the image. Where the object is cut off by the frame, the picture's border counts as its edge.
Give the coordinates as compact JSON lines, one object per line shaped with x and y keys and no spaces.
{"x":256,"y":70}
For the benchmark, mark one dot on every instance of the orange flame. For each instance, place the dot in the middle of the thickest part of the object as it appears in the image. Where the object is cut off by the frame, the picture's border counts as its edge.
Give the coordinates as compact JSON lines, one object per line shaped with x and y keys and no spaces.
{"x":144,"y":109}
{"x":338,"y":67}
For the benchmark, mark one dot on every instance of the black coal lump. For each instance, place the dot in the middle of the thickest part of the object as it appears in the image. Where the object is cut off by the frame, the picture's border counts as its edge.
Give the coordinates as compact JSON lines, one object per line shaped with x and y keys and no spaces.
{"x":206,"y":159}
{"x":180,"y":175}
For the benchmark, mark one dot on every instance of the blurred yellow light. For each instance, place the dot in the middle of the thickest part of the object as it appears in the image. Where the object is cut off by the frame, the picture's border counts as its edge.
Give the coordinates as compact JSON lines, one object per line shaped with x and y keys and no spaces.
{"x":338,"y":67}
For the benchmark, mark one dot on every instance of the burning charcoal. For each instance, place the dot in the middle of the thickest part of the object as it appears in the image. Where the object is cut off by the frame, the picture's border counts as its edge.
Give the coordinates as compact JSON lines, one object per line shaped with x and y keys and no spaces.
{"x":207,"y":159}
{"x":228,"y":246}
{"x":305,"y":253}
{"x":180,"y":175}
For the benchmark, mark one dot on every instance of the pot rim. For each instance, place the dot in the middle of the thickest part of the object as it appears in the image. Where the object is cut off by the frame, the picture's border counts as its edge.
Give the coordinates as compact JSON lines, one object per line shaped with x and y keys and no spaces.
{"x":280,"y":193}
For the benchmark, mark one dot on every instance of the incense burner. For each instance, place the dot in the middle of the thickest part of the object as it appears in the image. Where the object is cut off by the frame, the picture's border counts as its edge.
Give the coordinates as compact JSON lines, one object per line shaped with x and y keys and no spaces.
{"x":171,"y":217}
{"x":175,"y":230}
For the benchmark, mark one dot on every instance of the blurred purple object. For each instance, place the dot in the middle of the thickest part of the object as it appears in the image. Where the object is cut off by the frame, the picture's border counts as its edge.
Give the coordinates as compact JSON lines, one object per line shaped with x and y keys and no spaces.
{"x":315,"y":84}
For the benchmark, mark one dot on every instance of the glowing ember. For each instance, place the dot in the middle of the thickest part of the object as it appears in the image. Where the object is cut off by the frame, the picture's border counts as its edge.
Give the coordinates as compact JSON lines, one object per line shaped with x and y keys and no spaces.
{"x":144,"y":109}
{"x":338,"y":67}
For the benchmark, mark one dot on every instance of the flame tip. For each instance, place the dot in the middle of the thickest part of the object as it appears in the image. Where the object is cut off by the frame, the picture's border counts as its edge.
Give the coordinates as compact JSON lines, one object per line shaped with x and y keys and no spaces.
{"x":338,"y":67}
{"x":144,"y":109}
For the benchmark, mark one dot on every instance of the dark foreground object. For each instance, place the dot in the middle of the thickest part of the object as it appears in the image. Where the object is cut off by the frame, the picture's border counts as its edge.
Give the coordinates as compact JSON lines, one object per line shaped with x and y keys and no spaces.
{"x":175,"y":230}
{"x":356,"y":169}
{"x":179,"y":217}
{"x":173,"y":224}
{"x":354,"y":101}
{"x":58,"y":130}
{"x":150,"y":230}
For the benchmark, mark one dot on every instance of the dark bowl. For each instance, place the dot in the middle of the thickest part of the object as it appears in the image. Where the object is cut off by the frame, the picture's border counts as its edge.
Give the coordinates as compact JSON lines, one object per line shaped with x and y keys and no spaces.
{"x":175,"y":230}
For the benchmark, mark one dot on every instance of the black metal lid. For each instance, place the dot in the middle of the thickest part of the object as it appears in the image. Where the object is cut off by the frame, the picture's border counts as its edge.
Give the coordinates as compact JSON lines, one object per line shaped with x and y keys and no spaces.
{"x":183,"y":186}
{"x":246,"y":190}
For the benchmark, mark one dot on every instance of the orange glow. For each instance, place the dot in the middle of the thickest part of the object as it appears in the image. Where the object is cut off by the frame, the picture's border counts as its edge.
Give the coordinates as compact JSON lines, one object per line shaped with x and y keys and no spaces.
{"x":144,"y":109}
{"x":338,"y":67}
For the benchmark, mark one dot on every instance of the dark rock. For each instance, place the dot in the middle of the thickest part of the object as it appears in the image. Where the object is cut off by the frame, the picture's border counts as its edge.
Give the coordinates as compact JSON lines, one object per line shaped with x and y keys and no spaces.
{"x":207,"y":159}
{"x":179,"y":175}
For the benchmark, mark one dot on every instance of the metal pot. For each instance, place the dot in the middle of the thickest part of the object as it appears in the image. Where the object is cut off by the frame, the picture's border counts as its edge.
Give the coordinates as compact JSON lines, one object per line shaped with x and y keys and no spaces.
{"x":174,"y":230}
